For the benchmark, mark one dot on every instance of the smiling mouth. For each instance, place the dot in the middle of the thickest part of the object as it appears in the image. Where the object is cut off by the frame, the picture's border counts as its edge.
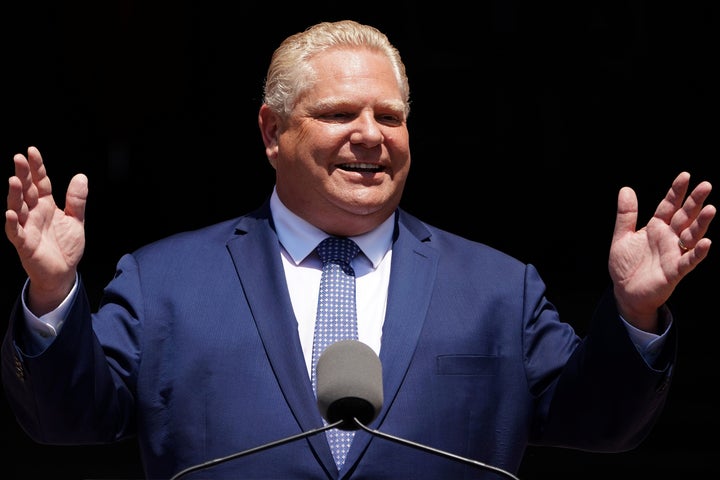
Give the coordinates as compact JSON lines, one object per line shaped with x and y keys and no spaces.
{"x":361,"y":167}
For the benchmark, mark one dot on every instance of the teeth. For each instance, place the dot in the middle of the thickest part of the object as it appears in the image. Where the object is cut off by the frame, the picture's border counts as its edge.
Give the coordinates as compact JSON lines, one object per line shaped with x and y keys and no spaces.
{"x":361,"y":166}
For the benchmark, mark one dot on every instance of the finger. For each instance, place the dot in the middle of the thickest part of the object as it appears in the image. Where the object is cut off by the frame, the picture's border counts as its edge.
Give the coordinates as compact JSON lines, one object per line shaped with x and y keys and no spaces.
{"x":22,"y":168}
{"x":39,"y":174}
{"x":691,"y":222}
{"x":693,"y":257}
{"x":12,"y":226}
{"x":692,"y":206}
{"x":674,"y":198}
{"x":15,"y":194}
{"x":17,"y":211}
{"x":16,"y":199}
{"x":695,"y":232}
{"x":27,"y":190}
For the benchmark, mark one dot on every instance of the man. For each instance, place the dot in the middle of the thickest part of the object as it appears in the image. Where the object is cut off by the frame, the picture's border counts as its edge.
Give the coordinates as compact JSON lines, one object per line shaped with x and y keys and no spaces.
{"x":203,"y":344}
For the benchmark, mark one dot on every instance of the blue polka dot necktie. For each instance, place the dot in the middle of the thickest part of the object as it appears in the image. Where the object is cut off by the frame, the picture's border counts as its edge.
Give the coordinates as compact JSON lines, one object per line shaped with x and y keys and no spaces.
{"x":336,"y":318}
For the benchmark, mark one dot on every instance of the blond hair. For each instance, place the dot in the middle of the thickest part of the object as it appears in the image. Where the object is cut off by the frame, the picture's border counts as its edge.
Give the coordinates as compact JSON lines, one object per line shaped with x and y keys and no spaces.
{"x":290,"y":74}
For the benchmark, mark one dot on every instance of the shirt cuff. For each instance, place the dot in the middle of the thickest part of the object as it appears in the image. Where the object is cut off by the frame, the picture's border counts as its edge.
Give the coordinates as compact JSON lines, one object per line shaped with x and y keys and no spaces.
{"x":650,"y":345}
{"x":43,"y":330}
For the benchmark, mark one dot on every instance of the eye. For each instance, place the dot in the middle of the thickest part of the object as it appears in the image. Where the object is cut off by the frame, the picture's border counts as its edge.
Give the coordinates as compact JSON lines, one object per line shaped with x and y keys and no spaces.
{"x":335,"y":116}
{"x":390,"y":119}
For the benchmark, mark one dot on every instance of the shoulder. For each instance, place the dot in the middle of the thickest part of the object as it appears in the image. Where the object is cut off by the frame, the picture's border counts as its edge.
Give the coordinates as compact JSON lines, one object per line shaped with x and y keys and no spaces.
{"x":452,"y":245}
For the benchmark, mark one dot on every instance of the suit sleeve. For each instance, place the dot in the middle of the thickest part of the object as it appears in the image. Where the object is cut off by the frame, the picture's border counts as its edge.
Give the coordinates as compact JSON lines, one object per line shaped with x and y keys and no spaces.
{"x":607,"y":397}
{"x":66,"y":394}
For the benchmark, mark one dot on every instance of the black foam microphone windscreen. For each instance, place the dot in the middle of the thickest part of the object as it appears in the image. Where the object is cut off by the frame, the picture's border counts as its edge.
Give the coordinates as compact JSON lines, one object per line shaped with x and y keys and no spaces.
{"x":349,"y":384}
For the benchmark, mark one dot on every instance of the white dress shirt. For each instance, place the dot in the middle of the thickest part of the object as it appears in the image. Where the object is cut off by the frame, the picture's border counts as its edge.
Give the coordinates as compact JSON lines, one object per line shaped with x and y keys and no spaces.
{"x":303,"y":269}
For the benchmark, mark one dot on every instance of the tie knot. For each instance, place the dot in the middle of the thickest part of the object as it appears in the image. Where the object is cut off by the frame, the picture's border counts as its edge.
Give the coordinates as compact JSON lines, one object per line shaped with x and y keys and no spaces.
{"x":337,"y":250}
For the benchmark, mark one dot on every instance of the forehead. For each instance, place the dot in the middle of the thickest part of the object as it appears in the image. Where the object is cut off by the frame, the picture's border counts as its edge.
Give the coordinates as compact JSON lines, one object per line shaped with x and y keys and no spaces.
{"x":339,"y":68}
{"x":349,"y":58}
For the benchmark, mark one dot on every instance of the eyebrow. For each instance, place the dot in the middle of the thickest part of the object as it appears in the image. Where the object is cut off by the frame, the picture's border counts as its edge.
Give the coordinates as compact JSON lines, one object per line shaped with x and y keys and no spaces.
{"x":334,"y":102}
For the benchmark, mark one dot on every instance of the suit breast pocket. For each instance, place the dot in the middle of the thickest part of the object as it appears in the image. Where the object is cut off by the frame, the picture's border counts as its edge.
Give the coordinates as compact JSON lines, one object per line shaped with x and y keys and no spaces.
{"x":477,"y":365}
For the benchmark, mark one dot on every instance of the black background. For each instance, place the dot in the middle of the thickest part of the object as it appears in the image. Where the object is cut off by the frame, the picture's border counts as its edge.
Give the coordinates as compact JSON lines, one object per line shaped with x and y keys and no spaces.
{"x":527,"y":117}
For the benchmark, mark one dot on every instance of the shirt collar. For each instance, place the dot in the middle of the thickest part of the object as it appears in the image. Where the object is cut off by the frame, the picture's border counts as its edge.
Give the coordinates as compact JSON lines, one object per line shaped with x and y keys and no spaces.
{"x":299,"y":237}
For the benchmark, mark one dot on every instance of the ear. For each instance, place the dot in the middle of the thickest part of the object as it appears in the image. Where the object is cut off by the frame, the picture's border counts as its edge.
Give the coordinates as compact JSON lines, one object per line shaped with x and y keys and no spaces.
{"x":269,"y":123}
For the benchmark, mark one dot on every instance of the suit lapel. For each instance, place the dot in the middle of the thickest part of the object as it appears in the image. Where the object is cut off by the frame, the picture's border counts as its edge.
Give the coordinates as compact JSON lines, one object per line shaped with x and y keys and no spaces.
{"x":413,"y":270}
{"x":263,"y":281}
{"x":414,"y":266}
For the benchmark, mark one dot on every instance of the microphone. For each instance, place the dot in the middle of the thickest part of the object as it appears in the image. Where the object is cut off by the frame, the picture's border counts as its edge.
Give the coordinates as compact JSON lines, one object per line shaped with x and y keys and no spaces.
{"x":350,"y":391}
{"x":349,"y":384}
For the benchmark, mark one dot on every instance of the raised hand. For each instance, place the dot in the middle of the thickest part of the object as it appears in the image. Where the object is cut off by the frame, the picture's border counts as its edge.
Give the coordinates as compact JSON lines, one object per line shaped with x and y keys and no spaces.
{"x":647,"y":264}
{"x":49,"y":241}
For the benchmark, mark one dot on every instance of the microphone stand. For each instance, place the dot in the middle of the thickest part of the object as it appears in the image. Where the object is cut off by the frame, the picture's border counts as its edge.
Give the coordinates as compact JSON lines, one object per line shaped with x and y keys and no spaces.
{"x":282,"y":441}
{"x":337,"y":424}
{"x":435,"y":451}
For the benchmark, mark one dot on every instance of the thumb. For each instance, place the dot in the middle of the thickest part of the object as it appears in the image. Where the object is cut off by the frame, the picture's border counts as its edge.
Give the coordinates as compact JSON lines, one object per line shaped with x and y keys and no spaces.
{"x":627,"y":212}
{"x":76,"y":197}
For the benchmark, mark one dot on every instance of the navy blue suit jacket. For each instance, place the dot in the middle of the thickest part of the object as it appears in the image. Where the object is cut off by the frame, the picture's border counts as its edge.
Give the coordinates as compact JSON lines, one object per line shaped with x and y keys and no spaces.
{"x":195,"y":351}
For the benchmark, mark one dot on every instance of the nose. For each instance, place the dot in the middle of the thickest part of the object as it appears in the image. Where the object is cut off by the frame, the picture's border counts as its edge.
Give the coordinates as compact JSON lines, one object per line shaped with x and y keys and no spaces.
{"x":366,"y":131}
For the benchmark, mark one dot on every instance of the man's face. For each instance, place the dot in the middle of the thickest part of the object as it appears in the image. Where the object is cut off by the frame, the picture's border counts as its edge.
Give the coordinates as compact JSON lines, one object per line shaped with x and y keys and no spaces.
{"x":343,"y":156}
